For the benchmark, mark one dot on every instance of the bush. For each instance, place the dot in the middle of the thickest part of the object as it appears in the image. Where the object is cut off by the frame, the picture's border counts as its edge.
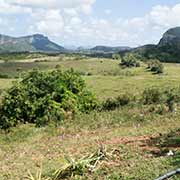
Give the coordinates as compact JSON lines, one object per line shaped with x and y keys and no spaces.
{"x":155,"y":66}
{"x":4,"y":76}
{"x":116,"y":56}
{"x":124,"y":99}
{"x":113,"y":103}
{"x":152,"y":96}
{"x":110,"y":104}
{"x":42,"y":97}
{"x":172,"y":97}
{"x":130,"y":60}
{"x":165,"y":98}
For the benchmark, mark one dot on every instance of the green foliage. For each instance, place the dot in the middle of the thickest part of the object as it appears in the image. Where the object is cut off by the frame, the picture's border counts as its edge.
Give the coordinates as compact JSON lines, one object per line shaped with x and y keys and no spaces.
{"x":113,"y":103}
{"x":4,"y":76}
{"x":168,"y":97}
{"x":172,"y":97}
{"x":110,"y":104}
{"x":124,"y":99}
{"x":155,"y":66}
{"x":80,"y":167}
{"x":152,"y":96}
{"x":42,"y":97}
{"x":130,"y":60}
{"x":116,"y":56}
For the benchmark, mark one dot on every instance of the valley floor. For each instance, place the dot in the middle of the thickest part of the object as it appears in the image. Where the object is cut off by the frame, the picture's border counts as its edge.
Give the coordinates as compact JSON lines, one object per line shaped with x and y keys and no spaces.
{"x":137,"y":139}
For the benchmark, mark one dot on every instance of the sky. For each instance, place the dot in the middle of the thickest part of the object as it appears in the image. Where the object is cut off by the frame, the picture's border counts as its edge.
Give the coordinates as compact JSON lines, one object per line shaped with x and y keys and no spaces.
{"x":91,"y":22}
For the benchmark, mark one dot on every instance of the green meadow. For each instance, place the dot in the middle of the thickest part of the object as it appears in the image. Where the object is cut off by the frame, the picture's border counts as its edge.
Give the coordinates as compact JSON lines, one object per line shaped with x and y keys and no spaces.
{"x":135,"y":139}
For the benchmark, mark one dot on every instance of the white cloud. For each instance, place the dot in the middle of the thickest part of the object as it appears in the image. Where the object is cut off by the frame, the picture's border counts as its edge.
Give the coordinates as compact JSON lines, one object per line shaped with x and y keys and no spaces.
{"x":7,"y":8}
{"x":70,"y":12}
{"x":71,"y":26}
{"x":48,"y":22}
{"x":75,"y":21}
{"x":72,"y":21}
{"x":54,"y":4}
{"x":134,"y":31}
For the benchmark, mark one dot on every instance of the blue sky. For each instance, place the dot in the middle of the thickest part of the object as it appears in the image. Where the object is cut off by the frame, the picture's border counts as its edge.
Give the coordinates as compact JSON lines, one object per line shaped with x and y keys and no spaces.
{"x":129,"y":8}
{"x":91,"y":22}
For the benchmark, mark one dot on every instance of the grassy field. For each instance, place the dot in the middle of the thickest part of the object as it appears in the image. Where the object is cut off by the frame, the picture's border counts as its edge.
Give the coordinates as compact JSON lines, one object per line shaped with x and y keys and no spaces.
{"x":136,"y":140}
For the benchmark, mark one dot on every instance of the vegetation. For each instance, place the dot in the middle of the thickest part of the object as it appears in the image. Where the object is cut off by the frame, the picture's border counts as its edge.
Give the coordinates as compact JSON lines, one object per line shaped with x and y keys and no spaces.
{"x":82,"y":166}
{"x":20,"y":56}
{"x":3,"y":76}
{"x":152,"y":96}
{"x":116,"y":56}
{"x":137,"y":133}
{"x":42,"y":97}
{"x":155,"y":66}
{"x":114,"y":103}
{"x":130,"y":60}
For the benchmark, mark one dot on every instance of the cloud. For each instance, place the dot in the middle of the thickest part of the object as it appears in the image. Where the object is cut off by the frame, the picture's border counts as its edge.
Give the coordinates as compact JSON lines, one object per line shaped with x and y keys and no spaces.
{"x":133,"y":31}
{"x":72,"y":22}
{"x":138,"y":30}
{"x":48,"y":22}
{"x":53,"y":4}
{"x":7,"y":8}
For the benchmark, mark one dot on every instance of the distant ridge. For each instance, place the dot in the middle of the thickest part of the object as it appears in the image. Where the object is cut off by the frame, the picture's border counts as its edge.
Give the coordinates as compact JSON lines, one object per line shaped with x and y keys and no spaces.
{"x":167,"y":50}
{"x":109,"y":49}
{"x":31,"y":43}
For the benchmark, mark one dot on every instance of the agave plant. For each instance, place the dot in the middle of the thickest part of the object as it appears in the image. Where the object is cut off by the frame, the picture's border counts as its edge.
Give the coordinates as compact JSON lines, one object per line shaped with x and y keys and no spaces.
{"x":38,"y":176}
{"x":79,"y":167}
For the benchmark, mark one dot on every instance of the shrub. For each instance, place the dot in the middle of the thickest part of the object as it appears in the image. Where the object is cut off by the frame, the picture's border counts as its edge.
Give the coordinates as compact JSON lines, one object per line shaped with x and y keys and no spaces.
{"x":172,"y":97}
{"x":155,"y":66}
{"x":116,"y":56}
{"x":130,"y":60}
{"x":124,"y":99}
{"x":19,"y":69}
{"x":4,"y":76}
{"x":113,"y":103}
{"x":152,"y":96}
{"x":58,"y":66}
{"x":165,"y":98}
{"x":110,"y":104}
{"x":42,"y":97}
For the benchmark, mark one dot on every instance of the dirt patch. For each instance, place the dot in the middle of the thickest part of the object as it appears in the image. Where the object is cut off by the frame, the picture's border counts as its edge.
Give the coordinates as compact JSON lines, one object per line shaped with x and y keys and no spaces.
{"x":146,"y":144}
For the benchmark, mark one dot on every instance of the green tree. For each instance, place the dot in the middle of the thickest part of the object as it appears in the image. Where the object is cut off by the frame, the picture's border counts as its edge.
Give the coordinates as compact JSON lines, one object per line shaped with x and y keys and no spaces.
{"x":155,"y":66}
{"x":130,"y":60}
{"x":116,"y":56}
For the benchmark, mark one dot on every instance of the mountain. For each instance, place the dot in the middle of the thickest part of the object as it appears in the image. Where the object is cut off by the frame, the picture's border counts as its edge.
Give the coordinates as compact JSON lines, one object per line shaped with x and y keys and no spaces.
{"x":171,"y":38}
{"x":33,"y":43}
{"x":108,"y":49}
{"x":167,"y":50}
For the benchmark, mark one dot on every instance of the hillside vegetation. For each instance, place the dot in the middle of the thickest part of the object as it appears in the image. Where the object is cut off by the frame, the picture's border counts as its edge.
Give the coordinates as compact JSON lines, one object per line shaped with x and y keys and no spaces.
{"x":167,"y":50}
{"x":33,"y":43}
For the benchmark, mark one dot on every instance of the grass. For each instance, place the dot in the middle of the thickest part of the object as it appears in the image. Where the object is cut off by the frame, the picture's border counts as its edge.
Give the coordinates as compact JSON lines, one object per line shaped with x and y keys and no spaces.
{"x":135,"y":137}
{"x":28,"y":148}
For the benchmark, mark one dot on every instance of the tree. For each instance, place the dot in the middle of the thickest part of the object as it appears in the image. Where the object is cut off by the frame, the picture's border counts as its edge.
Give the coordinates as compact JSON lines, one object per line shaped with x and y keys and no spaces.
{"x":130,"y":60}
{"x":155,"y":66}
{"x":116,"y":56}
